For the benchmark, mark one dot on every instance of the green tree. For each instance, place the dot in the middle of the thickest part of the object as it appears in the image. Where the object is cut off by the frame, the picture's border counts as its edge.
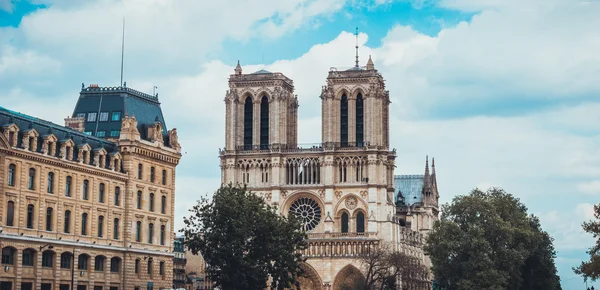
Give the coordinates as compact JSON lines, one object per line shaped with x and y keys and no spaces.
{"x":591,"y":269}
{"x":244,"y":241}
{"x":486,"y":240}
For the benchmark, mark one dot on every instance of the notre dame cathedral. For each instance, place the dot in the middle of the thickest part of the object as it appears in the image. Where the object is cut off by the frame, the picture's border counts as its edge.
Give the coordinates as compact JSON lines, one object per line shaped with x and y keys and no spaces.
{"x":344,"y":187}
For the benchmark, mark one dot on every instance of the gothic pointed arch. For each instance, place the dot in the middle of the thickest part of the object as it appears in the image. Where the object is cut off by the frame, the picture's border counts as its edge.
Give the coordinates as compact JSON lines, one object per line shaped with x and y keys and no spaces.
{"x":264,"y":122}
{"x":349,"y":278}
{"x":248,"y":122}
{"x":309,"y":279}
{"x":344,"y":120}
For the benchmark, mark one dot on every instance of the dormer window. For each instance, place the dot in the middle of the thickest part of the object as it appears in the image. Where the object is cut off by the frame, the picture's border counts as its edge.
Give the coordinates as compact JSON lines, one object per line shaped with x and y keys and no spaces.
{"x":116,"y":116}
{"x":11,"y":138}
{"x":103,"y":117}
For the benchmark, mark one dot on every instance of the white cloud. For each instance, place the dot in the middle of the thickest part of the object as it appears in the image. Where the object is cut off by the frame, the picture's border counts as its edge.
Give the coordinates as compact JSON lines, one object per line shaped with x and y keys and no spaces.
{"x":564,"y":225}
{"x":25,"y":63}
{"x":7,"y":5}
{"x":591,"y":188}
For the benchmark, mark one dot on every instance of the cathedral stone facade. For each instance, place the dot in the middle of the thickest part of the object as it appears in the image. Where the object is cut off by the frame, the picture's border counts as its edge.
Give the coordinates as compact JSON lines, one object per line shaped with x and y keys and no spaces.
{"x":91,"y":203}
{"x":344,"y":187}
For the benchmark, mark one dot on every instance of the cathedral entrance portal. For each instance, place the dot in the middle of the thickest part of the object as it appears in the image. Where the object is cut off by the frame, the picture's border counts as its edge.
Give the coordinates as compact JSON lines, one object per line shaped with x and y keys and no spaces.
{"x":310,"y":280}
{"x":349,"y":278}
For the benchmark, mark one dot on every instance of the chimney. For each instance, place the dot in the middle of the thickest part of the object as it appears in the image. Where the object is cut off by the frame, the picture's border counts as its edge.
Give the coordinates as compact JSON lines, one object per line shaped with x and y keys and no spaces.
{"x":75,"y":123}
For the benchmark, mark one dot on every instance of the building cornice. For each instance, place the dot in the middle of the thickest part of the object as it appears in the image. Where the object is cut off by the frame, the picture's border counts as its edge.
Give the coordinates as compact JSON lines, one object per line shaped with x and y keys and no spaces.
{"x":67,"y":164}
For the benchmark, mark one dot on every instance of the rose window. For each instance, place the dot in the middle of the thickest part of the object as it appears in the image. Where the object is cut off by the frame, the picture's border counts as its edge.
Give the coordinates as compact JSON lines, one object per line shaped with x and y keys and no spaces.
{"x":308,"y":210}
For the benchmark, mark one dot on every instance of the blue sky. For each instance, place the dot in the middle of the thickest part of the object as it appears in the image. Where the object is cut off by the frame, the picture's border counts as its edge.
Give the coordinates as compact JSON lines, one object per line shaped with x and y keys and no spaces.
{"x":502,"y":93}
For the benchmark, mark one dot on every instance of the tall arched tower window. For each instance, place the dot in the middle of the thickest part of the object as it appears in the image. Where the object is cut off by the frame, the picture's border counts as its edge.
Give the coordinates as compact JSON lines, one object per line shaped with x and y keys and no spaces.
{"x":248,"y":123}
{"x":360,"y":222}
{"x":359,"y":121}
{"x":264,"y":123}
{"x":344,"y":121}
{"x":344,"y":222}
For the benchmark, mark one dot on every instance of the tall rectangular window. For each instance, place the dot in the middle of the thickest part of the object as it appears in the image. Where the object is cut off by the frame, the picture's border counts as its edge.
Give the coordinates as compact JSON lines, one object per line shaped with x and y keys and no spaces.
{"x":138,"y":231}
{"x":12,"y":173}
{"x":101,"y":134}
{"x":50,"y":182}
{"x":10,"y":213}
{"x":164,"y":177}
{"x":116,"y":116}
{"x":68,"y":186}
{"x":101,"y":193}
{"x":86,"y":186}
{"x":103,"y":117}
{"x":100,"y":226}
{"x":115,"y":133}
{"x":91,"y":117}
{"x":81,"y":115}
{"x":31,"y":180}
{"x":116,"y":229}
{"x":84,"y":217}
{"x":67,"y":225}
{"x":30,"y":214}
{"x":152,"y":174}
{"x":49,"y":219}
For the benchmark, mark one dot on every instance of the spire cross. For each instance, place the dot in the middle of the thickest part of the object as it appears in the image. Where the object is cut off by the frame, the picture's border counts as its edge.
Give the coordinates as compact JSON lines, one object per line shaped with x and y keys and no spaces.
{"x":356,"y":63}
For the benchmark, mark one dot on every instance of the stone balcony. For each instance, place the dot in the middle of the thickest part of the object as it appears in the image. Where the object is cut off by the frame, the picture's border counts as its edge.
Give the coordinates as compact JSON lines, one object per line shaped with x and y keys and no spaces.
{"x":339,"y":245}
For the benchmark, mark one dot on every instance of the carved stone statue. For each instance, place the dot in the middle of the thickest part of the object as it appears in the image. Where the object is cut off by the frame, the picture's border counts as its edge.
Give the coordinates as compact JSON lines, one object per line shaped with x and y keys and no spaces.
{"x":80,"y":155}
{"x":173,"y":139}
{"x":63,"y":151}
{"x":45,"y":147}
{"x":96,"y":159}
{"x":125,"y":123}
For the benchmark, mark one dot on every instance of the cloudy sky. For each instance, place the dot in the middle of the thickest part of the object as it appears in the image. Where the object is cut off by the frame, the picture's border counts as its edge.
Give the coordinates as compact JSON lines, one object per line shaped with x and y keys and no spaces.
{"x":501,"y":92}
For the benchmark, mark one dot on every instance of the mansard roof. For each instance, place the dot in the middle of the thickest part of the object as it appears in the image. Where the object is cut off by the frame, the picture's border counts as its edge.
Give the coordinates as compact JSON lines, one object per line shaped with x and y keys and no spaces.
{"x":122,"y":100}
{"x":47,"y":128}
{"x":408,"y":189}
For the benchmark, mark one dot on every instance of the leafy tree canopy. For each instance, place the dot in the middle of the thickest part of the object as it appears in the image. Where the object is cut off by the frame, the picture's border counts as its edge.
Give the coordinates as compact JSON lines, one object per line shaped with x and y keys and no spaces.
{"x":486,"y":240}
{"x":244,"y":241}
{"x":591,"y":269}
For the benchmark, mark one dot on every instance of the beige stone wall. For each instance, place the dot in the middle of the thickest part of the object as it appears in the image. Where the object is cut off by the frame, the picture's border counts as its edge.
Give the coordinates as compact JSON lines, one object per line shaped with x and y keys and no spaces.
{"x":120,"y":244}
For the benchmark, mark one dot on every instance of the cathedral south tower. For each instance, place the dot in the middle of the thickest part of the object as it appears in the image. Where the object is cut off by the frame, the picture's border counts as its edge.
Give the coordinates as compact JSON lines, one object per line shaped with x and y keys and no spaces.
{"x":343,"y":188}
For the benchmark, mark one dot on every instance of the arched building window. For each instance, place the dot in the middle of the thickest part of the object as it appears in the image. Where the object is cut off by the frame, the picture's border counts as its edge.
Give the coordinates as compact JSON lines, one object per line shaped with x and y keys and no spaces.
{"x":344,"y":222}
{"x":359,"y":121}
{"x":138,"y":231}
{"x":99,"y":263}
{"x":140,"y":170}
{"x":164,"y":177}
{"x":48,"y":259}
{"x":83,"y":262}
{"x":101,"y":193}
{"x":163,"y":204}
{"x":162,"y":235}
{"x":28,"y":257}
{"x":100,"y":226}
{"x":248,"y":111}
{"x":264,"y":123}
{"x":360,"y":222}
{"x":344,"y":121}
{"x":151,"y":205}
{"x":8,"y":255}
{"x":152,"y":174}
{"x":115,"y":264}
{"x":150,"y":233}
{"x":137,"y":266}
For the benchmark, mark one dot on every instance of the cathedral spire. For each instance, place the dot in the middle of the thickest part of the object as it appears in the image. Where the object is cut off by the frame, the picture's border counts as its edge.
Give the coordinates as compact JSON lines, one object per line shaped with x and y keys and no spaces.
{"x":370,"y":65}
{"x":356,"y":63}
{"x":238,"y":68}
{"x":426,"y":168}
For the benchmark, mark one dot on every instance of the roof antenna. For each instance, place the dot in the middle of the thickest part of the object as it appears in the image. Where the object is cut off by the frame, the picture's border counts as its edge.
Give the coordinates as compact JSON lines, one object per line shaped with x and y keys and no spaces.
{"x":356,"y":64}
{"x":122,"y":51}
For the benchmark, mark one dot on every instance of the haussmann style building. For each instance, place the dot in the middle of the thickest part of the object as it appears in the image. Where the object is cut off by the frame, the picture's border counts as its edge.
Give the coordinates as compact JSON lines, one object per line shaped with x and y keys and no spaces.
{"x":89,"y":204}
{"x":344,"y":187}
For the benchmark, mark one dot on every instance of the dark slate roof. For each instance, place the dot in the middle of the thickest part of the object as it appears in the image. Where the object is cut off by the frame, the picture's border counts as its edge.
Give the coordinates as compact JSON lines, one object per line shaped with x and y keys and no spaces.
{"x":125,"y":101}
{"x":45,"y":128}
{"x":262,"y":71}
{"x":408,"y":187}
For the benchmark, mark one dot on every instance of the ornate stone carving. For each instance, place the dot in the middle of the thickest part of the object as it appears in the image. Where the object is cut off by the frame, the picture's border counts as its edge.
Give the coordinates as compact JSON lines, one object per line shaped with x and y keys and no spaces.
{"x":173,"y":139}
{"x":338,"y":194}
{"x":63,"y":151}
{"x":322,"y":193}
{"x":351,"y":202}
{"x":283,"y":193}
{"x":364,"y":193}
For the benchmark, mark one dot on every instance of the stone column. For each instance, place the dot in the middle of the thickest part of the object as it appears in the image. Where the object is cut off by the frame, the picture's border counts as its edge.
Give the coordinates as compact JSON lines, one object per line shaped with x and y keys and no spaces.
{"x":351,"y":119}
